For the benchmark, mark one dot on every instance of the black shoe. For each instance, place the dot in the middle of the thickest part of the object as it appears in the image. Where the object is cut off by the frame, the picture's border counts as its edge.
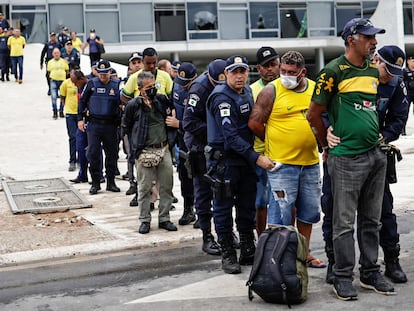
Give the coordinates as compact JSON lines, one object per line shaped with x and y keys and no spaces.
{"x":144,"y":228}
{"x":112,"y":187}
{"x":48,"y":93}
{"x":394,"y":271}
{"x":196,"y":225}
{"x":55,"y":115}
{"x":134,"y":201}
{"x":132,"y":189}
{"x":77,"y":180}
{"x":229,"y":262}
{"x":175,"y":200}
{"x":167,"y":225}
{"x":61,"y":114}
{"x":2,"y":79}
{"x":344,"y":289}
{"x":94,"y":189}
{"x":7,"y":78}
{"x":210,"y":246}
{"x":247,"y":248}
{"x":187,"y":218}
{"x":125,"y":176}
{"x":376,"y":282}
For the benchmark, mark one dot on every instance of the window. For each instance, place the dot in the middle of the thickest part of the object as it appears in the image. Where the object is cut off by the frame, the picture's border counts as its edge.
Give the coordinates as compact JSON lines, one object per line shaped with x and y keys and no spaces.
{"x":233,"y":21}
{"x":32,"y":21}
{"x":293,"y":20}
{"x":72,"y":17}
{"x":321,"y":26}
{"x":202,"y":20}
{"x":170,"y":22}
{"x":136,"y":22}
{"x":408,"y":17}
{"x":264,"y":21}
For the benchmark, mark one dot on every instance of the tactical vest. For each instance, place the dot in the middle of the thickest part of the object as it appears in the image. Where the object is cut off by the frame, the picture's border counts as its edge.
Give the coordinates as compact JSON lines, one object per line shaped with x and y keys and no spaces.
{"x":180,"y":100}
{"x":103,"y":103}
{"x":50,"y":47}
{"x":3,"y":44}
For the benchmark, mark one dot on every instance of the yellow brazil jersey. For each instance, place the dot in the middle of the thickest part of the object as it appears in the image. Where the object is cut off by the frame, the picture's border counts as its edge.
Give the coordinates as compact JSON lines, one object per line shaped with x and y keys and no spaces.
{"x":289,"y":138}
{"x":69,"y":91}
{"x":57,"y":69}
{"x":163,"y":83}
{"x":256,"y":87}
{"x":77,"y":43}
{"x":16,"y":45}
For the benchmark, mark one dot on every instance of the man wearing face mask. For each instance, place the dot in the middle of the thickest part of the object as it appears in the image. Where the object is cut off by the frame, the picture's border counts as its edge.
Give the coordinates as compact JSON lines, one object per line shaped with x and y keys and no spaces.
{"x":279,"y":118}
{"x":144,"y":123}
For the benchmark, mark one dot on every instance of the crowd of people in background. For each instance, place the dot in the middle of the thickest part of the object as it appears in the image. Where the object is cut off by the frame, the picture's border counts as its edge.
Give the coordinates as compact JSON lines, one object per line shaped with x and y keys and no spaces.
{"x":255,"y":149}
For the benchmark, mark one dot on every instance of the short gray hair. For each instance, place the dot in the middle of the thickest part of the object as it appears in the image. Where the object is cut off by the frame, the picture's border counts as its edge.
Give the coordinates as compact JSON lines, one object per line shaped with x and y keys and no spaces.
{"x":293,"y":58}
{"x":144,"y":75}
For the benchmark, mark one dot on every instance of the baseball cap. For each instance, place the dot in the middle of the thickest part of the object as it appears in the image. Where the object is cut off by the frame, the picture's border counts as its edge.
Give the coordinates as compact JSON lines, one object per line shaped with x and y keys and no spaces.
{"x":52,"y":33}
{"x":92,"y":30}
{"x":135,"y":55}
{"x":393,"y":57}
{"x":265,"y":54}
{"x":103,"y":66}
{"x":216,"y":70}
{"x":362,"y":26}
{"x":65,"y":28}
{"x":175,"y":65}
{"x":186,"y":73}
{"x":236,"y":61}
{"x":69,"y":42}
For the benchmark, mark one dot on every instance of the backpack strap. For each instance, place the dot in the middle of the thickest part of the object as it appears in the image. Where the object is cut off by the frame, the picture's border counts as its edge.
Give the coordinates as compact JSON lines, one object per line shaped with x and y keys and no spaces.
{"x":258,"y":259}
{"x":277,"y":253}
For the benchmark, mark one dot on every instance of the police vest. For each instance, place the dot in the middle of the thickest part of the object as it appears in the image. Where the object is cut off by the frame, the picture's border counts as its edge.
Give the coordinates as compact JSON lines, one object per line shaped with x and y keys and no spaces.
{"x":180,"y":100}
{"x":50,"y":47}
{"x":243,"y":106}
{"x":104,"y":101}
{"x":384,"y":94}
{"x":3,"y":44}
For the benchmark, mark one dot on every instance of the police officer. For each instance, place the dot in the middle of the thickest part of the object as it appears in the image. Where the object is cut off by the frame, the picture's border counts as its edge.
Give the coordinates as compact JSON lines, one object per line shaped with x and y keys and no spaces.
{"x":63,"y":37}
{"x":186,"y":74}
{"x":392,"y":107}
{"x":4,"y":52}
{"x":101,"y":97}
{"x":47,"y":54}
{"x":231,"y":163}
{"x":195,"y":137}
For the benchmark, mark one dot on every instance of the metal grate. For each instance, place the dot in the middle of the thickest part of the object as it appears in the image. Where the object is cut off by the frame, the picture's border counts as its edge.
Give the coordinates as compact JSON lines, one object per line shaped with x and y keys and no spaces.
{"x":43,"y":196}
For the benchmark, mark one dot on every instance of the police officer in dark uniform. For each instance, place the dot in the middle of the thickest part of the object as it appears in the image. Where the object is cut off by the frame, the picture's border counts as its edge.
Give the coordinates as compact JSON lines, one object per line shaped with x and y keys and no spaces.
{"x":195,"y":137}
{"x":63,"y":37}
{"x":187,"y":72}
{"x":392,"y":107}
{"x":47,"y":54}
{"x":4,"y":54}
{"x":101,"y":98}
{"x":231,"y":163}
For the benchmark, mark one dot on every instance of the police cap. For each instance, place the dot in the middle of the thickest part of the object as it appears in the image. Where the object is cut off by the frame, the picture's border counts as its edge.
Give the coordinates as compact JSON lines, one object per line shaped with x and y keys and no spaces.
{"x":394,"y":59}
{"x":186,"y":73}
{"x":216,"y":70}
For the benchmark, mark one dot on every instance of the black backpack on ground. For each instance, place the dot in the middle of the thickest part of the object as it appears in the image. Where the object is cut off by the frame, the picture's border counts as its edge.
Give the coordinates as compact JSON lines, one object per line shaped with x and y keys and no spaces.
{"x":279,"y":273}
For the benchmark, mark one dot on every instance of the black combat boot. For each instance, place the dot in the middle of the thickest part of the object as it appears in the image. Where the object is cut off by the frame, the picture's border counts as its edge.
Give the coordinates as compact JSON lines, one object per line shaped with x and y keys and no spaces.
{"x":134,"y":201}
{"x":55,"y":114}
{"x":331,"y":261}
{"x":247,"y":248}
{"x":229,"y":262}
{"x":132,"y":188}
{"x":210,"y":246}
{"x":393,"y":269}
{"x":111,"y":186}
{"x":188,"y":214}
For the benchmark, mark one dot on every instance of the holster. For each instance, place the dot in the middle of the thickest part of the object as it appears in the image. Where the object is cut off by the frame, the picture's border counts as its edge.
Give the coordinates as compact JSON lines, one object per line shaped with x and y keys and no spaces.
{"x":197,"y":162}
{"x":393,"y":155}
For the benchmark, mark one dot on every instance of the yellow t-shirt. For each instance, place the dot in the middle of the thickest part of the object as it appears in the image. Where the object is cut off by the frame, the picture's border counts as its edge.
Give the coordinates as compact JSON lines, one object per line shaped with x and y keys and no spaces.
{"x":77,"y":43}
{"x":69,"y":91}
{"x":289,"y":138}
{"x":163,"y":82}
{"x":259,"y":145}
{"x":57,"y":69}
{"x":16,"y":45}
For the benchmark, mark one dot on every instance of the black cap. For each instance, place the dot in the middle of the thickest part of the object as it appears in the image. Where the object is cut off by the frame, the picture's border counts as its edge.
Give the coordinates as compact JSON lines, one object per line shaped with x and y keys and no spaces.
{"x":175,"y":65}
{"x":394,"y":59}
{"x":186,"y":73}
{"x":65,"y":28}
{"x":216,"y":71}
{"x":92,"y":30}
{"x":265,"y":54}
{"x":52,"y":33}
{"x":135,"y":55}
{"x":236,"y":61}
{"x":69,"y":42}
{"x":103,"y":66}
{"x":362,"y":26}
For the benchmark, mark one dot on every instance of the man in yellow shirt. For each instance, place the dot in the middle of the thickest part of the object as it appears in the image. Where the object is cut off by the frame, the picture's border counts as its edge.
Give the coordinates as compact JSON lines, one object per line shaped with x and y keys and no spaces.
{"x":16,"y":44}
{"x":58,"y":69}
{"x":69,"y":98}
{"x":76,"y":42}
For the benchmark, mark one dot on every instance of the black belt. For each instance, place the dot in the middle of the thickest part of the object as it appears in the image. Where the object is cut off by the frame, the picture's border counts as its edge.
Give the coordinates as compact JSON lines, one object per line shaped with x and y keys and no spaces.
{"x":102,"y":121}
{"x":160,"y":145}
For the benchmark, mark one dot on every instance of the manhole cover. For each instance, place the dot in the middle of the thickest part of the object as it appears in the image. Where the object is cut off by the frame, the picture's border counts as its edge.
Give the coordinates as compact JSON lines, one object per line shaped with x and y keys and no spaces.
{"x":43,"y":196}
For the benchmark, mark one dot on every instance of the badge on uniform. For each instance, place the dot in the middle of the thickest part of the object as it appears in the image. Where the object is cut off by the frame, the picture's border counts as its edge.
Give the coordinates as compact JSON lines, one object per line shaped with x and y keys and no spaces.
{"x":224,"y":109}
{"x":101,"y":90}
{"x":193,"y":100}
{"x":244,"y":108}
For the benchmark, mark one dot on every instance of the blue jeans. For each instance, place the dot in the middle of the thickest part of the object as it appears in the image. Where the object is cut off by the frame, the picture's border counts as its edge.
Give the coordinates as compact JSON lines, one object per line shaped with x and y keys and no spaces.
{"x":17,"y":62}
{"x":357,"y":188}
{"x":295,"y":186}
{"x":54,"y":94}
{"x":72,"y":126}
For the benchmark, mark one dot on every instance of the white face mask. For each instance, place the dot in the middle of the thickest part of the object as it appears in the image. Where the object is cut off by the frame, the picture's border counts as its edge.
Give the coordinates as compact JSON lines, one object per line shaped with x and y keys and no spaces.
{"x":290,"y":82}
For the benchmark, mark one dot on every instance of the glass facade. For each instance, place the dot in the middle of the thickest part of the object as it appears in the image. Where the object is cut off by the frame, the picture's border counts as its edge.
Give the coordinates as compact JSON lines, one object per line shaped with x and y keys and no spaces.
{"x":129,"y":21}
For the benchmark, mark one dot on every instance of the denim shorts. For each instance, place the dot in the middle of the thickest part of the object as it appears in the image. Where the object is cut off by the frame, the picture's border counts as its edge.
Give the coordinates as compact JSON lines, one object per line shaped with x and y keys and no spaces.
{"x":300,"y":187}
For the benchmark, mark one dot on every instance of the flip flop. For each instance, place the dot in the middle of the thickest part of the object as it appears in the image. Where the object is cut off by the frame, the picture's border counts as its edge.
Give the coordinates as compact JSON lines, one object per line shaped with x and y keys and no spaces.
{"x":313,"y":262}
